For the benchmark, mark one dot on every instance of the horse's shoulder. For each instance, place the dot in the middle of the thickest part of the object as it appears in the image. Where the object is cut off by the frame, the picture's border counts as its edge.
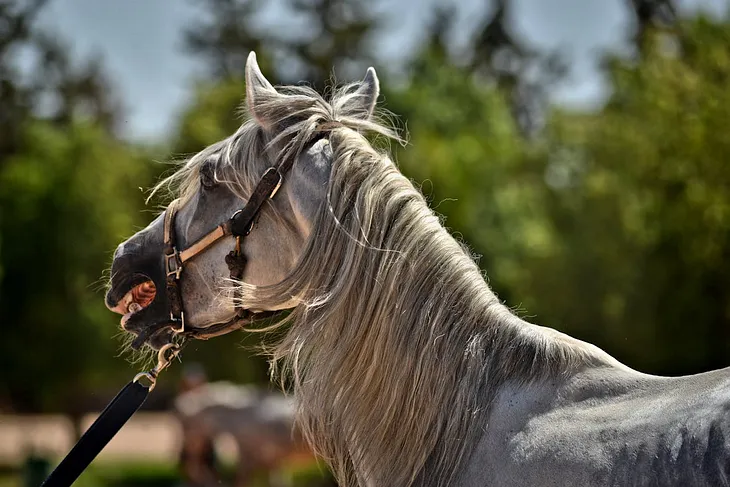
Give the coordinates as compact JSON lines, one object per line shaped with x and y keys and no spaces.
{"x":647,"y":431}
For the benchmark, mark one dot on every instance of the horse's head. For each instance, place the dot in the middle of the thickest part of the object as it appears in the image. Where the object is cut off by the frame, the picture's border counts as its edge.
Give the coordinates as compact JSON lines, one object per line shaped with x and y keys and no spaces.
{"x":286,"y":127}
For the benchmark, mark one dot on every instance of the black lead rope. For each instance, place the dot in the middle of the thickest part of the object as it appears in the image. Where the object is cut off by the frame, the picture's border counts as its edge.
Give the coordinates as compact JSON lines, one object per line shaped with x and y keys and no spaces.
{"x":110,"y":421}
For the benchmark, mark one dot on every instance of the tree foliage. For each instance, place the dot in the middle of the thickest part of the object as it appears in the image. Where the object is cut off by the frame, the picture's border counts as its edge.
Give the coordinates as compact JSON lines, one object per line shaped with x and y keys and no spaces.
{"x":612,"y":226}
{"x":524,"y":74}
{"x":68,"y":194}
{"x":224,"y":36}
{"x":638,"y":197}
{"x":336,"y":39}
{"x":68,"y":197}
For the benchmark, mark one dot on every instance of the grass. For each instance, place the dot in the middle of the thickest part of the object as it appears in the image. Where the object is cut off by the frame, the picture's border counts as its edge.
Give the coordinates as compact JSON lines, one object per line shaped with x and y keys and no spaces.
{"x":156,"y":474}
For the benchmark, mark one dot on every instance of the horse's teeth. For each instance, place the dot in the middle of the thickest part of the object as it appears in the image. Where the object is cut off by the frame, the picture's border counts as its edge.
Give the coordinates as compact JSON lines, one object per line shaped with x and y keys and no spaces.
{"x":134,"y":307}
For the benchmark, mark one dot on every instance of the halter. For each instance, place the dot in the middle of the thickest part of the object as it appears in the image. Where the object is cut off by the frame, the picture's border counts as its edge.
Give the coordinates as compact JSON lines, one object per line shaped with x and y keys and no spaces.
{"x":239,"y":225}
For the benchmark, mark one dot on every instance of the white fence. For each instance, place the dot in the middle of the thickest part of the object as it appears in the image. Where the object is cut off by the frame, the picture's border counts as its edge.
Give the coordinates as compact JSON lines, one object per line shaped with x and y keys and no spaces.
{"x":147,"y":436}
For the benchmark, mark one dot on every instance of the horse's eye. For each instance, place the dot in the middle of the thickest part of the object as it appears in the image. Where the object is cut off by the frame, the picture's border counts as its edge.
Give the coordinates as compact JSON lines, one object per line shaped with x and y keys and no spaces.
{"x":207,"y":176}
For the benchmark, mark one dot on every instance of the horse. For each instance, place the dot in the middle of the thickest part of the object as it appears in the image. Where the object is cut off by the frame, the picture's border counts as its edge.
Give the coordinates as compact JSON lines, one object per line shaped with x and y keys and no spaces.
{"x":406,"y":368}
{"x":260,"y":422}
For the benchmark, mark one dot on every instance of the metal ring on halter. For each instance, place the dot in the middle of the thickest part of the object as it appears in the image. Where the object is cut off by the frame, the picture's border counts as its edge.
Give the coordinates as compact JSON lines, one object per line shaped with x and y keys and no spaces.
{"x":177,"y":331}
{"x":233,"y":217}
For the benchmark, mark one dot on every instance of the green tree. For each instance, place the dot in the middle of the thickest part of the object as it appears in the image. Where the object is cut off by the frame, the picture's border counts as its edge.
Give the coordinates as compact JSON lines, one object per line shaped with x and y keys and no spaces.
{"x":648,"y":15}
{"x":224,"y":36}
{"x":524,"y":74}
{"x":68,"y":196}
{"x":463,"y":138}
{"x":16,"y":98}
{"x":54,"y":85}
{"x":337,"y":39}
{"x":213,"y":114}
{"x":638,"y":204}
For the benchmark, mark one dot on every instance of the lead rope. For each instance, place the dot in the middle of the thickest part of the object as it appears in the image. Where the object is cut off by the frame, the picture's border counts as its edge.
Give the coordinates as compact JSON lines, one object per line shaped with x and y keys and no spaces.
{"x":109,"y":422}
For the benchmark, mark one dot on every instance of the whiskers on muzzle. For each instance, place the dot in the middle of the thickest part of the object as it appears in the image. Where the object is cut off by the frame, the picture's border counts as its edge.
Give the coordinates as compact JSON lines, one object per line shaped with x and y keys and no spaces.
{"x":141,"y":355}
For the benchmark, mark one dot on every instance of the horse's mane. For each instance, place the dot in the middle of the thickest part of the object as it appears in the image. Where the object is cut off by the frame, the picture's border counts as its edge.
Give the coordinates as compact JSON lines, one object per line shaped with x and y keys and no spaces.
{"x":398,"y":346}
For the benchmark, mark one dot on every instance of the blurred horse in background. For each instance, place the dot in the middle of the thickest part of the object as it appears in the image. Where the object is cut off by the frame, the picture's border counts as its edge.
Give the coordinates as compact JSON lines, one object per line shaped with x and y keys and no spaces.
{"x":260,"y":422}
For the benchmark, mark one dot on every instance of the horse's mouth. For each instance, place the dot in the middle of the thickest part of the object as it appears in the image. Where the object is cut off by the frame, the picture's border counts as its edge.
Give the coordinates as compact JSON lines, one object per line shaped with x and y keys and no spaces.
{"x":137,"y":317}
{"x":136,"y":299}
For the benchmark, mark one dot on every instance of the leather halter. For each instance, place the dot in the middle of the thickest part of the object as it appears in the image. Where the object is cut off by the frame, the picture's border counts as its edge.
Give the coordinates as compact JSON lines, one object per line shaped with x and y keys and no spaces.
{"x":239,"y":225}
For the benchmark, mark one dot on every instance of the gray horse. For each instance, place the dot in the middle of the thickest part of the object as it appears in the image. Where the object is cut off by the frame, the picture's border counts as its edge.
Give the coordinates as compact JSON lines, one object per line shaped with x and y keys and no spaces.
{"x":260,"y":422}
{"x":407,"y":369}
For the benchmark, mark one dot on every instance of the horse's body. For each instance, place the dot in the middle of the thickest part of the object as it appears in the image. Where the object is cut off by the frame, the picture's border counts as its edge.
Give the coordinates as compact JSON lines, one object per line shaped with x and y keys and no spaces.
{"x":407,"y":369}
{"x":260,"y":422}
{"x":608,"y":427}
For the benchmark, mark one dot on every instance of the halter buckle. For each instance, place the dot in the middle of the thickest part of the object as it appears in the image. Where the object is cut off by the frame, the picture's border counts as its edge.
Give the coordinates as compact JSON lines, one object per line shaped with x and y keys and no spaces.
{"x":174,"y":319}
{"x":173,"y":266}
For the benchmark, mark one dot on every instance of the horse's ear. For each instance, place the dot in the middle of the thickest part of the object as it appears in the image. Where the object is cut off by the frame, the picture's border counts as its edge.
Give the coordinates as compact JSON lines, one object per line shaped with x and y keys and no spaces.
{"x":258,"y":90}
{"x":361,"y":103}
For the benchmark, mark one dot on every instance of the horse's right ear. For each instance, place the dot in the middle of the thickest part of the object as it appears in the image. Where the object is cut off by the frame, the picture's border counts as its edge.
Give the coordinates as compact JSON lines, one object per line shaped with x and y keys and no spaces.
{"x":361,"y":102}
{"x":259,"y":92}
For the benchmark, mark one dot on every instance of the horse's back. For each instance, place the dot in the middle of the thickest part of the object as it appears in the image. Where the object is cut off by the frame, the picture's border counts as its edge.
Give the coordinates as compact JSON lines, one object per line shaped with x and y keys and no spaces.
{"x":651,"y":432}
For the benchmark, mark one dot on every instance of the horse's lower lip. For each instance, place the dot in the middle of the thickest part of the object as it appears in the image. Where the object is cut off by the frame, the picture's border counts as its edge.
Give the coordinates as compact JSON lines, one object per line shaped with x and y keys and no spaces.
{"x":125,"y":319}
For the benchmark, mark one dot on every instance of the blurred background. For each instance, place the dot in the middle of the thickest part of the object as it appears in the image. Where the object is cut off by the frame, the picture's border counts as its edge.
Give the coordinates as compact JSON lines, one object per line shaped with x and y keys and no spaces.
{"x":579,"y":147}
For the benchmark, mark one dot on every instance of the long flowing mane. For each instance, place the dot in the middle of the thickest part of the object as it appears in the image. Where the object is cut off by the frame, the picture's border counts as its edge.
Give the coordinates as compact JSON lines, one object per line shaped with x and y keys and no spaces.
{"x":398,"y":346}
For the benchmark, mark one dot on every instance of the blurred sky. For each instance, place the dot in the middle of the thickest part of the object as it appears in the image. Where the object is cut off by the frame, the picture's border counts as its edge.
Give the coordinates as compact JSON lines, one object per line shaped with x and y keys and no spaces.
{"x":140,"y":41}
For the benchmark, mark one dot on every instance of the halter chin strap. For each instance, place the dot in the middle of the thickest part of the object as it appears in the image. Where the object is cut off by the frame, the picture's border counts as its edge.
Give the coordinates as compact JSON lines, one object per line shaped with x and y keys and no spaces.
{"x":239,"y":225}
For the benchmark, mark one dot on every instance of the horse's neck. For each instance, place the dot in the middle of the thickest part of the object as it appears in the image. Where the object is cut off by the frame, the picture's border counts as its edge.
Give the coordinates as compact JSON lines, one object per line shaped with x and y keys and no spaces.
{"x":592,"y":375}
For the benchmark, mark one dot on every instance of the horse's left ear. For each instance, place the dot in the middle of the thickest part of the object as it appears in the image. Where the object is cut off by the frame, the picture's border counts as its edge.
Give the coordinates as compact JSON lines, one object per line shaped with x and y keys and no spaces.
{"x":361,"y":103}
{"x":259,"y":92}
